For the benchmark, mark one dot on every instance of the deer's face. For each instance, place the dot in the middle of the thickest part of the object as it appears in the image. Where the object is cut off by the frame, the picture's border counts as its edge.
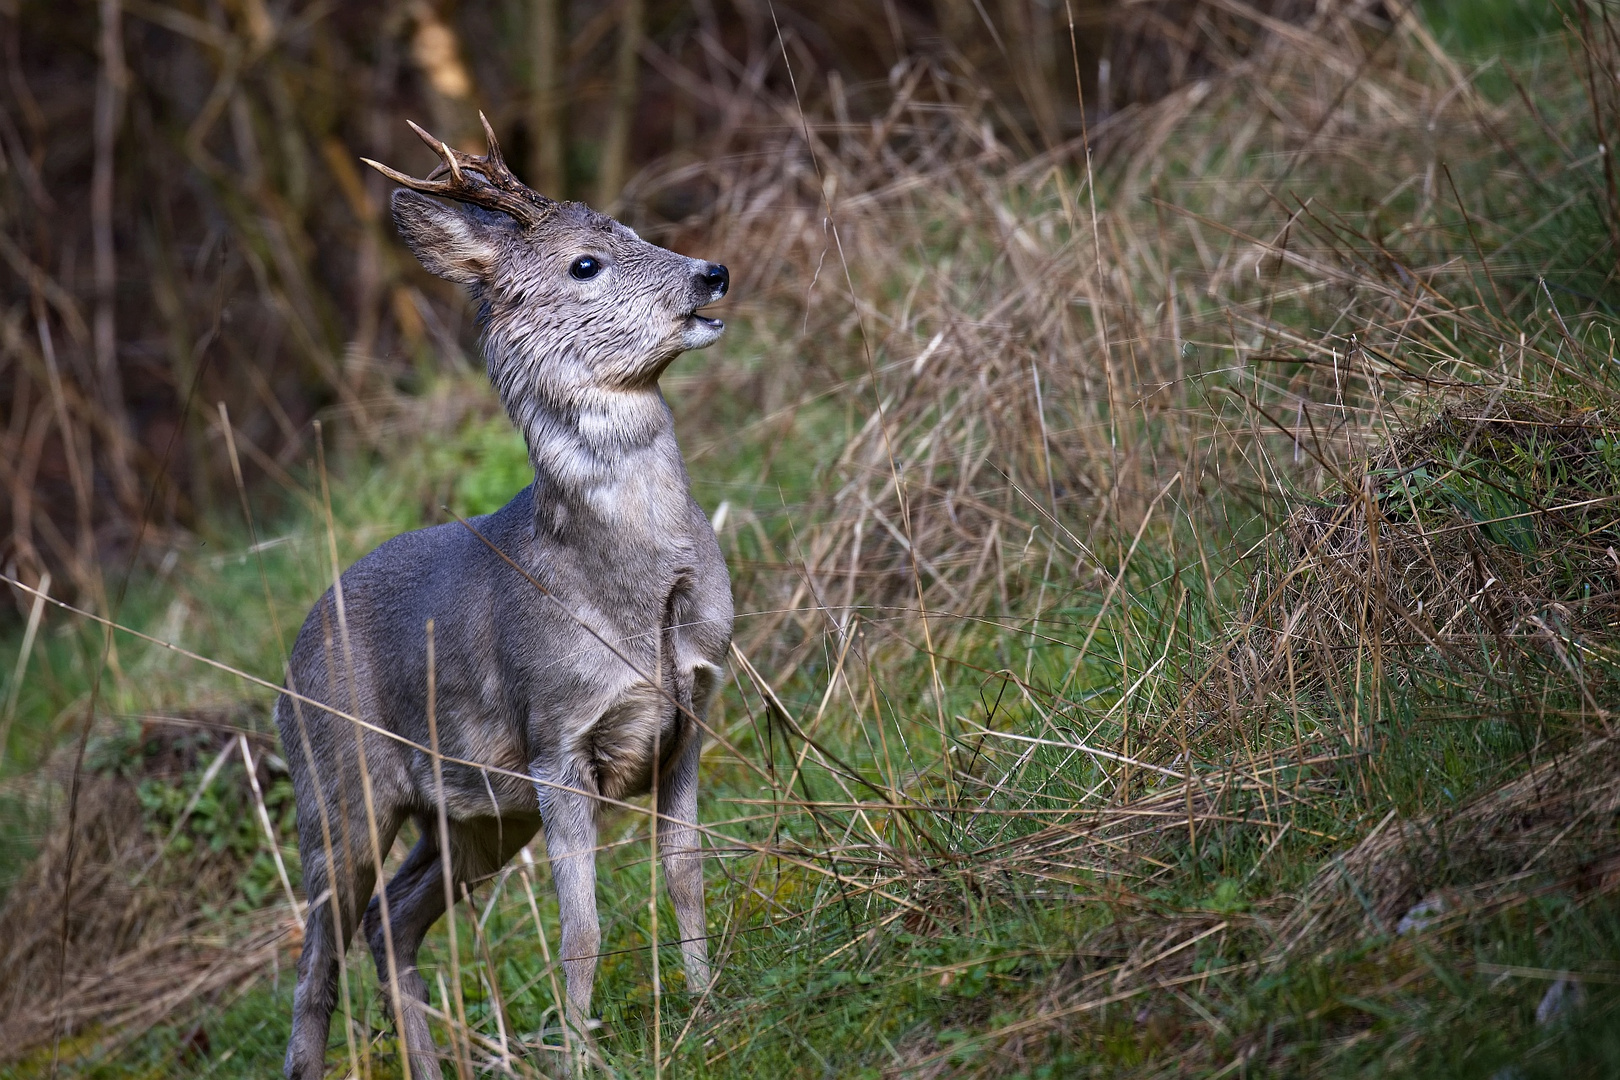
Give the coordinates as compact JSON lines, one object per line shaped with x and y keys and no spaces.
{"x":572,"y":304}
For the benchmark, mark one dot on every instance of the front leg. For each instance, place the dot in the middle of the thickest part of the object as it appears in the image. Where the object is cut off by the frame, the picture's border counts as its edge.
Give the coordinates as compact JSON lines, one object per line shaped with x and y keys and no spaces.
{"x":568,"y":812}
{"x":681,"y":846}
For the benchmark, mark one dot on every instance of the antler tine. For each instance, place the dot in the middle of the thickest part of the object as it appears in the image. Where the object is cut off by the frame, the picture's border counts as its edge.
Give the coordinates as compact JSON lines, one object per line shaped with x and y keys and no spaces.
{"x":439,"y":147}
{"x":450,"y":156}
{"x":443,"y":188}
{"x":493,"y":154}
{"x":427,"y":186}
{"x":432,"y":141}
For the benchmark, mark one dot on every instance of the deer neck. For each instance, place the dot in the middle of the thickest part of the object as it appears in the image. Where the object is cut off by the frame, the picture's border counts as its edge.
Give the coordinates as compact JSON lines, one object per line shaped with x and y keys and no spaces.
{"x":608,"y":472}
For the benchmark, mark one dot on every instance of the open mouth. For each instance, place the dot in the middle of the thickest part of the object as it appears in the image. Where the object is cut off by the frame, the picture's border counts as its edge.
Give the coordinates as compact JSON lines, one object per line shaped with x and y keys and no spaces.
{"x":704,"y":320}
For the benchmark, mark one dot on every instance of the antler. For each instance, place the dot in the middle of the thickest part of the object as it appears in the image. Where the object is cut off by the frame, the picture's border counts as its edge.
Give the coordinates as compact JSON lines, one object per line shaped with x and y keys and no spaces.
{"x":482,"y":181}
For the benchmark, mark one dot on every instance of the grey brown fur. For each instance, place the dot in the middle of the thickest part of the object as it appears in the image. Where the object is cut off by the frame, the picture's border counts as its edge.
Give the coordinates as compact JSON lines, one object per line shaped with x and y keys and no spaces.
{"x":592,"y":691}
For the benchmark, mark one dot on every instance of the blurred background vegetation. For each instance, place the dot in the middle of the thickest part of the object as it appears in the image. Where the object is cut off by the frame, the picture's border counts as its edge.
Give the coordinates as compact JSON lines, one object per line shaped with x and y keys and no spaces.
{"x":184,"y":221}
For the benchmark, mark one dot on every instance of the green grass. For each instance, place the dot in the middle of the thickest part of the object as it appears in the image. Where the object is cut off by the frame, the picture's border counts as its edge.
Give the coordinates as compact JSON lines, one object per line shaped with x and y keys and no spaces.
{"x":943,"y":985}
{"x":1488,"y":27}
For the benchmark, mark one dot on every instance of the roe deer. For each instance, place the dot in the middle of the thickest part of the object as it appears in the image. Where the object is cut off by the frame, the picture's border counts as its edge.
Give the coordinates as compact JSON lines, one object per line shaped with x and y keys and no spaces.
{"x":578,"y":632}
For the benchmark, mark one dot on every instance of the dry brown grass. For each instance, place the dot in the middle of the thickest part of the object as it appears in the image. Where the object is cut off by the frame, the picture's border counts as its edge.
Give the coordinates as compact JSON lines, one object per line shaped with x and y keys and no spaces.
{"x":1549,"y":830}
{"x":1475,"y":542}
{"x":152,"y":927}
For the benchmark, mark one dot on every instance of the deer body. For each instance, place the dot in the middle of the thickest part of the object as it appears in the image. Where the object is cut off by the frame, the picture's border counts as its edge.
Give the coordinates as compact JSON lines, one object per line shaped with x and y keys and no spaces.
{"x":578,"y":632}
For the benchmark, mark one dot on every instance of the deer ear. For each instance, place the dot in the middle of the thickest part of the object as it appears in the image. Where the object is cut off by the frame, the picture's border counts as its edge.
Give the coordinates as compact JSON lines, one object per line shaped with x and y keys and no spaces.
{"x":454,"y":242}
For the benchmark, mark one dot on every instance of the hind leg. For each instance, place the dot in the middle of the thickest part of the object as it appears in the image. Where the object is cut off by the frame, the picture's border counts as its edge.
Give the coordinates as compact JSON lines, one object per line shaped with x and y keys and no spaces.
{"x":416,"y":900}
{"x":337,"y":878}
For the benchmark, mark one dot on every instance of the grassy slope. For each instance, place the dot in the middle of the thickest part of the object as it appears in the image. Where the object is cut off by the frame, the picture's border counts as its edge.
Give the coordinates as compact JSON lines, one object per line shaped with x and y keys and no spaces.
{"x":819,"y":982}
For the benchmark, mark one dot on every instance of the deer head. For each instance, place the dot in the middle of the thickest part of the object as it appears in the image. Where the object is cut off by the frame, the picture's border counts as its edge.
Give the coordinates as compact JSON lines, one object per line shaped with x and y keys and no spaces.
{"x":574,"y":305}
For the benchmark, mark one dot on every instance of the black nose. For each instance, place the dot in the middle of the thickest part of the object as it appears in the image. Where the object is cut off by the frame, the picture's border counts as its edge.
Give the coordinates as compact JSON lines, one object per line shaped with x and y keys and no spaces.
{"x":717,"y":278}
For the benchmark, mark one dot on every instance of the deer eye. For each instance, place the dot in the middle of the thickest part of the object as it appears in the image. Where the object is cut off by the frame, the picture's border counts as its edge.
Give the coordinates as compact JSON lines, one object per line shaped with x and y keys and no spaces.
{"x":585,"y":268}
